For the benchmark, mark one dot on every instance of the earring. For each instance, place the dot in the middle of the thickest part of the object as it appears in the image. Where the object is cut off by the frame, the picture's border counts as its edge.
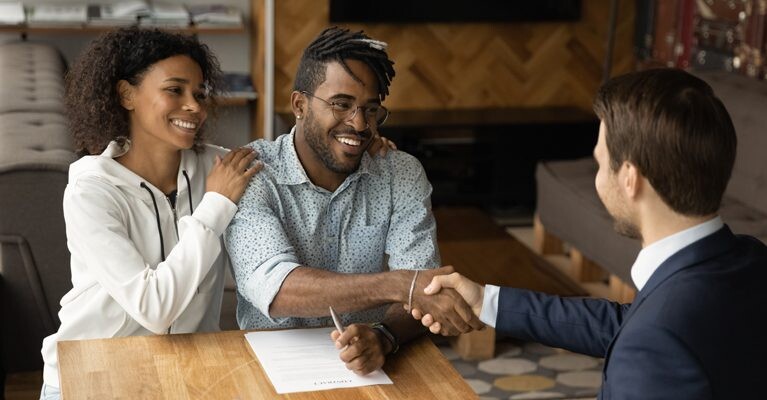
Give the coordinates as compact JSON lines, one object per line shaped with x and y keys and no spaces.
{"x":298,"y":117}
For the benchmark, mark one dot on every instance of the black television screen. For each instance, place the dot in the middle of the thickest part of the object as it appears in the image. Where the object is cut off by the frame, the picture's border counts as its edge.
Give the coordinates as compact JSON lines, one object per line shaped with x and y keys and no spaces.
{"x":408,"y":11}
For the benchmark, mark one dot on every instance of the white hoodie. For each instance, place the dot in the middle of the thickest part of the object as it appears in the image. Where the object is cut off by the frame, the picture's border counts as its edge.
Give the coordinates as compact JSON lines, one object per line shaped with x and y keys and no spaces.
{"x":122,"y":286}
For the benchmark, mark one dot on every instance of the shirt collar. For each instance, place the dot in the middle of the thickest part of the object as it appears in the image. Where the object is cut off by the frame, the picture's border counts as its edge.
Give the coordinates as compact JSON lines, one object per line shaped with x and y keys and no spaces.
{"x":652,"y":256}
{"x":291,"y":172}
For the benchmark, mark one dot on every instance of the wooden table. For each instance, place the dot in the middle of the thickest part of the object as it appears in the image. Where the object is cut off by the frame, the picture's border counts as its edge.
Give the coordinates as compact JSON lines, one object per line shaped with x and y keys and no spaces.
{"x":222,"y":366}
{"x":482,"y":251}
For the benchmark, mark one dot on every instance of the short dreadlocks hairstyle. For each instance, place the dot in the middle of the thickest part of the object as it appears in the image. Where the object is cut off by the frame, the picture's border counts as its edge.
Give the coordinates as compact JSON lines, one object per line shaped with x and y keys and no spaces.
{"x":339,"y":44}
{"x":95,"y":114}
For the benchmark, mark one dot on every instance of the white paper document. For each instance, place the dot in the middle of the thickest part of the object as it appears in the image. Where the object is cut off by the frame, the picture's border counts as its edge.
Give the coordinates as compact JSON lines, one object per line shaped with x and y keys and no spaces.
{"x":302,"y":360}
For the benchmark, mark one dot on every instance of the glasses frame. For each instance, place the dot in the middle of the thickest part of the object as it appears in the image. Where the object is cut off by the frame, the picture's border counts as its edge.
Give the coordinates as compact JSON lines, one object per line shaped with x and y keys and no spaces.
{"x":353,"y":114}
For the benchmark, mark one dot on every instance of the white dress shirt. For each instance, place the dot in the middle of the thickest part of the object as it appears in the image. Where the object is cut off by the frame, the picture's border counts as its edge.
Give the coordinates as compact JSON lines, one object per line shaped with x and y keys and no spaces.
{"x":652,"y":256}
{"x":647,"y":262}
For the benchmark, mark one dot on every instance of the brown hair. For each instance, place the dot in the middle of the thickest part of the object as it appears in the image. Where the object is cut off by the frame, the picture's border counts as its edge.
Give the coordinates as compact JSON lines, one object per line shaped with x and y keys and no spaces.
{"x":672,"y":127}
{"x":93,"y":104}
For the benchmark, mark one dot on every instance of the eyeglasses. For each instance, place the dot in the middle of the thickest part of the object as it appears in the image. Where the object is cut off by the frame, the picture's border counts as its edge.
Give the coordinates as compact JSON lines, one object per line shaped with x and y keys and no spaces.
{"x":345,"y":110}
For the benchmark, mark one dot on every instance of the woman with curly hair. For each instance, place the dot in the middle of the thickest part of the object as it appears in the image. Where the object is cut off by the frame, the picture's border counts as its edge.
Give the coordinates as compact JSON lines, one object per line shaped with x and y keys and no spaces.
{"x":146,"y":206}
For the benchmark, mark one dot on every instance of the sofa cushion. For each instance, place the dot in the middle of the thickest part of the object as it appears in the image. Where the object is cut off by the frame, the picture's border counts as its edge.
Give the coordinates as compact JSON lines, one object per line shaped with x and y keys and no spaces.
{"x":30,"y":92}
{"x":569,"y":208}
{"x":22,"y":52}
{"x":35,"y":153}
{"x":744,"y":219}
{"x":32,"y":78}
{"x":35,"y":141}
{"x":745,"y":100}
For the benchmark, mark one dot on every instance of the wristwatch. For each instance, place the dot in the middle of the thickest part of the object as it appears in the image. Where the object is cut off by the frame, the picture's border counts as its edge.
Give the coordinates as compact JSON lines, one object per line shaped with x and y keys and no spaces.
{"x":384,"y":330}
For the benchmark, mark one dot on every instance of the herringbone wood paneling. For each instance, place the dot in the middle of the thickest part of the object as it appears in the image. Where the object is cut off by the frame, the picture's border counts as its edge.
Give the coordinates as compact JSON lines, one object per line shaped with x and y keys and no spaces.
{"x":473,"y":65}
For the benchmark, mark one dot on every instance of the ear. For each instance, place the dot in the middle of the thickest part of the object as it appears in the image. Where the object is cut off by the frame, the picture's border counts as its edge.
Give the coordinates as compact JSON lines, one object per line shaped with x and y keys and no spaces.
{"x":125,"y":91}
{"x":298,"y":104}
{"x":631,"y":180}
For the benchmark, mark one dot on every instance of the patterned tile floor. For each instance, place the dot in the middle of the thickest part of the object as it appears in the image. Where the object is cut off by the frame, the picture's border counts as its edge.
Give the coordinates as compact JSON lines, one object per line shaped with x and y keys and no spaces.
{"x":528,"y":371}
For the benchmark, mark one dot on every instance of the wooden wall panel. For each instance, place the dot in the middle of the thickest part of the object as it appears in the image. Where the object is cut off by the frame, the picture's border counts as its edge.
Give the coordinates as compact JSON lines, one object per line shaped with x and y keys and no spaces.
{"x":473,"y":65}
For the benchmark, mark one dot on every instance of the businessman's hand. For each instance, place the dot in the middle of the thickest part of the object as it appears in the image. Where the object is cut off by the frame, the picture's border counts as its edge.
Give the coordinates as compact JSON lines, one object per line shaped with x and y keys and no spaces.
{"x":471,"y":292}
{"x":446,"y":306}
{"x":364,"y":352}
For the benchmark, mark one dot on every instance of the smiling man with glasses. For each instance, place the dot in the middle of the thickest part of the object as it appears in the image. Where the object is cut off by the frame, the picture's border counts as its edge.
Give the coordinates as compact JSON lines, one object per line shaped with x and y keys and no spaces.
{"x":325,"y":224}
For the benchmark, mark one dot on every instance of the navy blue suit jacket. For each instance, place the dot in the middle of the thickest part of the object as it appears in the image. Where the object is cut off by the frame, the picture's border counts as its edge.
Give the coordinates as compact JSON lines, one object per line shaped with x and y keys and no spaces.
{"x":694,"y":331}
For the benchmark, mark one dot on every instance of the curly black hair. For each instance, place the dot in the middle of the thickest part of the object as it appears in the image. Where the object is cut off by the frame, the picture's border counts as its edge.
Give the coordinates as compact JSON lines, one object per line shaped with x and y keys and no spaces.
{"x":339,"y":44}
{"x":96,"y":116}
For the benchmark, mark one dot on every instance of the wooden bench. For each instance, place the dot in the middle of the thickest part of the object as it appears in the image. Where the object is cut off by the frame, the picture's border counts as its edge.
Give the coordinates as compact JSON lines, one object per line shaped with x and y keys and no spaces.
{"x":482,"y":251}
{"x":589,"y":275}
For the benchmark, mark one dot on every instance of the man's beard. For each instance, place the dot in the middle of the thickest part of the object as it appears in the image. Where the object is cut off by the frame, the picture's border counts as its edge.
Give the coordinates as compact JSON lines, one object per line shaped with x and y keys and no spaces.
{"x":626,"y":228}
{"x":314,"y":135}
{"x":621,"y":222}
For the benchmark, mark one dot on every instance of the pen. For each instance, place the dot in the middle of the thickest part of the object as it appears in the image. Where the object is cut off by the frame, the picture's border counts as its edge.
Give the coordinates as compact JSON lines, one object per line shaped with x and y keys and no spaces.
{"x":336,"y":321}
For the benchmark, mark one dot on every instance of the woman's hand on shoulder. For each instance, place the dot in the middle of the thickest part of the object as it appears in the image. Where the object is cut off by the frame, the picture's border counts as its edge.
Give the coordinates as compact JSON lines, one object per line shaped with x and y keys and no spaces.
{"x":380,"y":146}
{"x":231,"y":174}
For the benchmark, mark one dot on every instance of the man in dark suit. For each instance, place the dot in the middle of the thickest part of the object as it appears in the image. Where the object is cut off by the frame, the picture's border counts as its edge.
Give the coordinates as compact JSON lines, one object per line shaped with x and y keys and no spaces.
{"x":666,"y":149}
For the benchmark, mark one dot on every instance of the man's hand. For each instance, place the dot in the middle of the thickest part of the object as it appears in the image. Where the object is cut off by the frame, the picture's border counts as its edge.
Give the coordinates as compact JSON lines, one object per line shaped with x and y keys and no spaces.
{"x":471,"y":292}
{"x":446,"y":305}
{"x":364,"y":352}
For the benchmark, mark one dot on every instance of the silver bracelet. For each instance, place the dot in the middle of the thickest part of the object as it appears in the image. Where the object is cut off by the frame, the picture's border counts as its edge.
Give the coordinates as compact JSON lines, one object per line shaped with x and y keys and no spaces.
{"x":410,"y":296}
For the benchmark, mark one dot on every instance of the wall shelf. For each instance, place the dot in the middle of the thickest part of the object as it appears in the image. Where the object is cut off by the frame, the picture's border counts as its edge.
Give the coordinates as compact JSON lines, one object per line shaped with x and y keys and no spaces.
{"x":75,"y":29}
{"x":234,"y":101}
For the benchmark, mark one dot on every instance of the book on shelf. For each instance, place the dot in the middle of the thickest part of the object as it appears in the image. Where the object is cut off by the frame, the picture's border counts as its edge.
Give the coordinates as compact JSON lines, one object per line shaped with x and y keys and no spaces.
{"x":752,"y":38}
{"x":123,"y":13}
{"x":12,"y":13}
{"x":215,"y":15}
{"x":166,"y":15}
{"x":239,"y":85}
{"x":716,"y":34}
{"x":55,"y":15}
{"x":136,"y":8}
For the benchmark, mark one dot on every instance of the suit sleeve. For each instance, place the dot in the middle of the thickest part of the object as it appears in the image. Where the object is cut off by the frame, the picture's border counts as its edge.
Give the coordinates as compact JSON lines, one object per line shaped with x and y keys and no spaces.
{"x":582,"y":325}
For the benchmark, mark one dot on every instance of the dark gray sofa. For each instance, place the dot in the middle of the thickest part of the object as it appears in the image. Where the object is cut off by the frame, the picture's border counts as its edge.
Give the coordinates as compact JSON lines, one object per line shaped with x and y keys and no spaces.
{"x":569,"y":209}
{"x":35,"y":153}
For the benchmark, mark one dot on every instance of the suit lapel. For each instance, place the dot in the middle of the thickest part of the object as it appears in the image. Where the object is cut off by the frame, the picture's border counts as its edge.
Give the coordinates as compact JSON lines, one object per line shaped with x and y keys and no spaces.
{"x":697,"y":252}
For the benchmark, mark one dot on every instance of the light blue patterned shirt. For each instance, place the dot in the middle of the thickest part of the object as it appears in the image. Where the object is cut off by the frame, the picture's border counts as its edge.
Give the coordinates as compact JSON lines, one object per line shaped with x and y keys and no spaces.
{"x":379,"y":218}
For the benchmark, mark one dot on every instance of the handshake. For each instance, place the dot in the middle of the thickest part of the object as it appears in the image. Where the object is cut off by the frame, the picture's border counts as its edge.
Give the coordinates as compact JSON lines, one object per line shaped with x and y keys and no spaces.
{"x":446,"y":302}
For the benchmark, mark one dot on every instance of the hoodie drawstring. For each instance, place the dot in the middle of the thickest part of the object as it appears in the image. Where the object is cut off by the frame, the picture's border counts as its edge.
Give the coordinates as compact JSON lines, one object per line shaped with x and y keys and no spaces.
{"x":189,"y":191}
{"x":157,"y":210}
{"x":157,"y":215}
